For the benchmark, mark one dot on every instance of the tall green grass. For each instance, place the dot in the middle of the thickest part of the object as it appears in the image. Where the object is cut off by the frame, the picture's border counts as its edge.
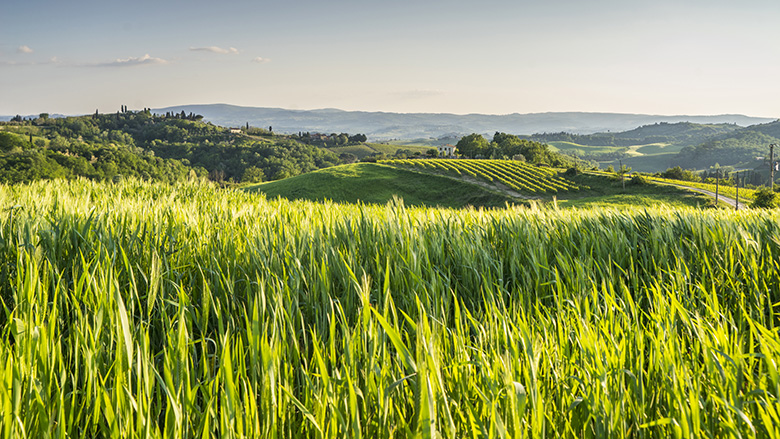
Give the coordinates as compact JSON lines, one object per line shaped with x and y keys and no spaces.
{"x":141,"y":310}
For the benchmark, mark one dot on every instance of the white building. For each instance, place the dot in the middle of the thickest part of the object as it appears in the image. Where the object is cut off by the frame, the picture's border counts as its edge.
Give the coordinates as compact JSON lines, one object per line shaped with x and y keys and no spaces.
{"x":446,"y":150}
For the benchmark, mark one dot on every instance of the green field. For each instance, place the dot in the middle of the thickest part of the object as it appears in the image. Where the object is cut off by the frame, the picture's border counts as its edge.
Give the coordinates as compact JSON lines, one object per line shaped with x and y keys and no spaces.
{"x":728,"y":191}
{"x":651,"y":157}
{"x":632,"y":201}
{"x":366,"y":149}
{"x":658,"y":148}
{"x":426,"y":183}
{"x":645,"y":163}
{"x":360,"y":150}
{"x":390,"y":149}
{"x":574,"y":148}
{"x":606,"y":191}
{"x":378,"y":183}
{"x":146,"y":310}
{"x":517,"y":176}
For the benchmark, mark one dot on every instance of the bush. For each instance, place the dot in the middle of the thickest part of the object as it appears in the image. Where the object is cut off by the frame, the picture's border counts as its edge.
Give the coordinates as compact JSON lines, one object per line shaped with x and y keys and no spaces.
{"x":639,"y":180}
{"x":764,"y":198}
{"x":678,"y":173}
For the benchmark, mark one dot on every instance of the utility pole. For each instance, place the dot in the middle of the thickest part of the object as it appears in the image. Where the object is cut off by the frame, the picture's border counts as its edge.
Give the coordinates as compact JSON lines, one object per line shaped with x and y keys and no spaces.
{"x":622,"y":175}
{"x":772,"y":166}
{"x":737,"y":206}
{"x":717,"y":181}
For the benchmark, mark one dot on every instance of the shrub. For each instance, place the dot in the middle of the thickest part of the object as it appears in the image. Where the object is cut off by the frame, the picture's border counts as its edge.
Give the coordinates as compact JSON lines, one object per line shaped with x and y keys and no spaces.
{"x":765,"y":198}
{"x":639,"y":180}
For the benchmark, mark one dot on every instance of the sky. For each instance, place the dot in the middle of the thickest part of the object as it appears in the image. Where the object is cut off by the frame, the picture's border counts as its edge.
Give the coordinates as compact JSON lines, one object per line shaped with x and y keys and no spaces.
{"x":665,"y":57}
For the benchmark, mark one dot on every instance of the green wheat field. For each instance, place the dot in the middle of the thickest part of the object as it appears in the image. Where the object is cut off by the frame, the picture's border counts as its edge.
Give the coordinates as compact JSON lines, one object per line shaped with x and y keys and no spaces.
{"x":135,"y":310}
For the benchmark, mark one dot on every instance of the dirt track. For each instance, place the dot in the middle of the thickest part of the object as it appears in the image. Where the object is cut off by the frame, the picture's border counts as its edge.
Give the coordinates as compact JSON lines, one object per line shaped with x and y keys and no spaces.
{"x":730,"y":201}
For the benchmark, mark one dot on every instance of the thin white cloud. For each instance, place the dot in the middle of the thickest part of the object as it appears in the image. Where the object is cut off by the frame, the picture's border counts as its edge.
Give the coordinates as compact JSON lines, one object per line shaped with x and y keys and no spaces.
{"x":133,"y":61}
{"x":24,"y":49}
{"x":260,"y":59}
{"x":216,"y":49}
{"x":53,"y":60}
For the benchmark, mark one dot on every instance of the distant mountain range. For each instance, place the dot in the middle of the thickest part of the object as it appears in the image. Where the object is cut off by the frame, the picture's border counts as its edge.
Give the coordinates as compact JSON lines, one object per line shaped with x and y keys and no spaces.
{"x":379,"y":126}
{"x":408,"y":126}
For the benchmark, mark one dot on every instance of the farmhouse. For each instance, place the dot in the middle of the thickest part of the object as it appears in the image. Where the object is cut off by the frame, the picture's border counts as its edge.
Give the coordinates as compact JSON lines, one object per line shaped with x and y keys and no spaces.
{"x":235,"y":131}
{"x":446,"y":150}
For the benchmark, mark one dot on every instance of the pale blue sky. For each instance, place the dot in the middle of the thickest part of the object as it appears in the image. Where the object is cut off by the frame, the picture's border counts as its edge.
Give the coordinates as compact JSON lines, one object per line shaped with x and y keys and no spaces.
{"x":496,"y":57}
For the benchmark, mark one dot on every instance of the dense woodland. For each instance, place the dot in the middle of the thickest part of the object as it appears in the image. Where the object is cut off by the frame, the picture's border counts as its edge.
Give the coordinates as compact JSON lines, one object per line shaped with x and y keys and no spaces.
{"x":140,"y":144}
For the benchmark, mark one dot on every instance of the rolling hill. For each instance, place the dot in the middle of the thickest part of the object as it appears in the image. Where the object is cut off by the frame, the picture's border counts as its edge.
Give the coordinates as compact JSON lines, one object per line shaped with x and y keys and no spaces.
{"x":738,"y":148}
{"x":384,"y":125}
{"x":378,"y":184}
{"x":423,"y":185}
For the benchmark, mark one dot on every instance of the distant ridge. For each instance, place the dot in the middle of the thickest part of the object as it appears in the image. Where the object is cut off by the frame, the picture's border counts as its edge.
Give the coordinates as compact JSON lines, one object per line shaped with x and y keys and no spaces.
{"x":383,"y":126}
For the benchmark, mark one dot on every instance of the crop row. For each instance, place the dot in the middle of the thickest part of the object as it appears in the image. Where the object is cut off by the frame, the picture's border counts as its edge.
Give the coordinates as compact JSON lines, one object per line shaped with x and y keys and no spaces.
{"x":515,"y":175}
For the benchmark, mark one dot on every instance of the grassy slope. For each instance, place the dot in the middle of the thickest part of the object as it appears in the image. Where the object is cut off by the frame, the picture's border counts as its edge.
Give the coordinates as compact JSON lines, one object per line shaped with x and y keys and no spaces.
{"x":359,"y":150}
{"x":367,"y":149}
{"x":375,"y":183}
{"x":645,"y":163}
{"x":391,"y":148}
{"x":604,"y":192}
{"x":570,"y":147}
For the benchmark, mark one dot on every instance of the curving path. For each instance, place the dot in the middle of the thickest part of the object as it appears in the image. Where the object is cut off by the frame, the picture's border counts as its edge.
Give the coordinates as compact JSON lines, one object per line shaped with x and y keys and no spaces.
{"x":730,"y":201}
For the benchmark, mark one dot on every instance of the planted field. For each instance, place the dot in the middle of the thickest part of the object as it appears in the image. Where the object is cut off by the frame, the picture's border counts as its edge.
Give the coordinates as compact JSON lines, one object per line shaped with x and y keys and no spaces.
{"x":142,"y":310}
{"x":728,"y":191}
{"x":584,"y":150}
{"x":377,"y":183}
{"x":518,"y":176}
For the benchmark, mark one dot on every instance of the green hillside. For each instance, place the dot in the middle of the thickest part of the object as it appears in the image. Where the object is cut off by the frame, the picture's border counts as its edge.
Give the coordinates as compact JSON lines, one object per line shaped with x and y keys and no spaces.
{"x":362,"y":150}
{"x":739,"y":148}
{"x":653,"y":148}
{"x":683,"y":133}
{"x":514,"y":175}
{"x":162,"y":147}
{"x":377,"y":183}
{"x":430,"y":185}
{"x":585,"y":150}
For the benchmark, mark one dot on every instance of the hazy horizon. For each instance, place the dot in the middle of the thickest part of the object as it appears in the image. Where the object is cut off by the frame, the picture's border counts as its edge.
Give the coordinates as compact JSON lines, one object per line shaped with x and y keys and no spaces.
{"x":130,"y":108}
{"x":496,"y":57}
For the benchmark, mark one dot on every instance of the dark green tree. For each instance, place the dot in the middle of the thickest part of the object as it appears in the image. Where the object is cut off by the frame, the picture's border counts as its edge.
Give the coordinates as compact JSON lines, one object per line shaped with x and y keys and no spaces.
{"x":764,"y":198}
{"x":472,"y":145}
{"x":252,"y":174}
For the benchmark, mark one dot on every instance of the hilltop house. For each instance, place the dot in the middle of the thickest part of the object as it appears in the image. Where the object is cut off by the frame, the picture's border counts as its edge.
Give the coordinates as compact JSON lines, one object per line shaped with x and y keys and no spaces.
{"x":446,"y":150}
{"x":235,"y":131}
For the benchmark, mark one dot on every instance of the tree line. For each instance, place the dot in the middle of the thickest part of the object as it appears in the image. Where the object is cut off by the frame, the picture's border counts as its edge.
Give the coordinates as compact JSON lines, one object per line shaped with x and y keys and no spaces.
{"x":144,"y":145}
{"x":509,"y":146}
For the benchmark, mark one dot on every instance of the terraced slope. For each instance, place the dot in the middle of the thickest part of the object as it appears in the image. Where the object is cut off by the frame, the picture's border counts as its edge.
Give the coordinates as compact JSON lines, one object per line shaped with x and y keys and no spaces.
{"x":518,"y":176}
{"x":377,"y":183}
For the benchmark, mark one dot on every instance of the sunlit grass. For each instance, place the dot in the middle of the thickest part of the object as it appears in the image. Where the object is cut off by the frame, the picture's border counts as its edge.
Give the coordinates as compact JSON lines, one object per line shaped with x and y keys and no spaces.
{"x":142,"y":310}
